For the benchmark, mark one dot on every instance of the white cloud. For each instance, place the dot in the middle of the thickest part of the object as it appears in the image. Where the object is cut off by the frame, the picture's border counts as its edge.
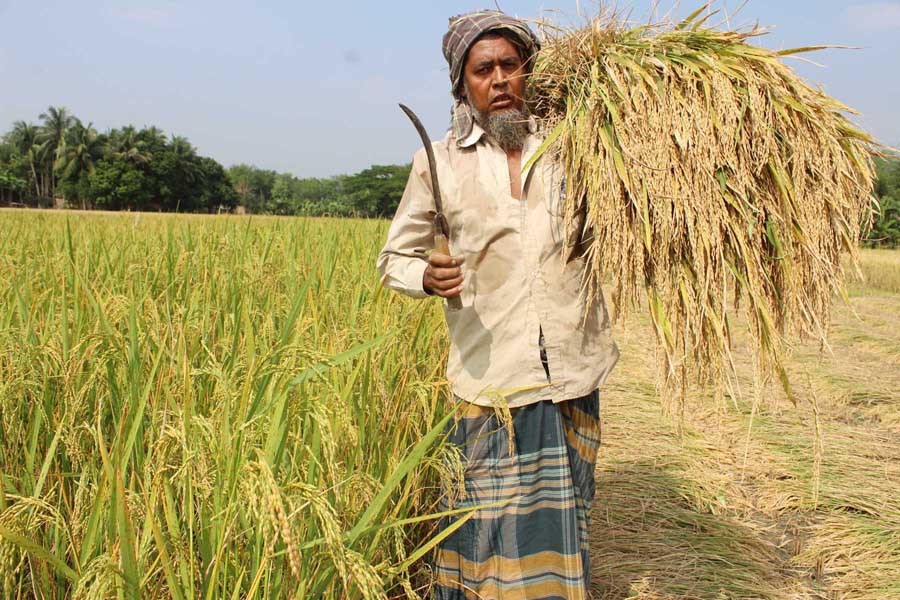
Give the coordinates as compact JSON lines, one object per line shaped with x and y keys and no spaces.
{"x":874,"y":15}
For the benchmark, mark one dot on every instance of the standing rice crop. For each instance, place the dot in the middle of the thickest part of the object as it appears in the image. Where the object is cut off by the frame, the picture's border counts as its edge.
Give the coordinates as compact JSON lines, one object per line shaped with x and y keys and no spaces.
{"x":211,"y":407}
{"x":706,"y":172}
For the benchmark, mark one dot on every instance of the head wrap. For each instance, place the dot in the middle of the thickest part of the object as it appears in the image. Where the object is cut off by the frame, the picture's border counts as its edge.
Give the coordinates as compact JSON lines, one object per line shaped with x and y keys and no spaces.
{"x":465,"y":30}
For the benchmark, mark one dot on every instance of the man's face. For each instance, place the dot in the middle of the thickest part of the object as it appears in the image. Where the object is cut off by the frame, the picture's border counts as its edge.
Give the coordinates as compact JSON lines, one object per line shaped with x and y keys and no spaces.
{"x":495,"y":76}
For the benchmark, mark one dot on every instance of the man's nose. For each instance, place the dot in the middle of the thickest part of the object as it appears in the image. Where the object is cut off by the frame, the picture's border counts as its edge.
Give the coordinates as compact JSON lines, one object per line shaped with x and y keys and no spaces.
{"x":500,"y":78}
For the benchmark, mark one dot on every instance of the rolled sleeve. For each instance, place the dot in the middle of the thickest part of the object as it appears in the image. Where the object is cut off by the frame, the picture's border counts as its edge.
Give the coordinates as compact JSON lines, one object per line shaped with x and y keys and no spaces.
{"x":403,"y":259}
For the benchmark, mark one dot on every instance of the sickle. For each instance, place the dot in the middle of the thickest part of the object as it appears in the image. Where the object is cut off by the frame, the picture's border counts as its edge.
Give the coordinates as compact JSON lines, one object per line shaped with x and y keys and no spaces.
{"x":440,"y":221}
{"x":441,"y":227}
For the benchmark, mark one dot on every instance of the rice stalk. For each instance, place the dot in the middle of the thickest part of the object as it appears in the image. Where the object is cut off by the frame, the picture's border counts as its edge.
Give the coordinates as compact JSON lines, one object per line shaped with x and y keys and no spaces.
{"x":193,"y":425}
{"x":707,"y":173}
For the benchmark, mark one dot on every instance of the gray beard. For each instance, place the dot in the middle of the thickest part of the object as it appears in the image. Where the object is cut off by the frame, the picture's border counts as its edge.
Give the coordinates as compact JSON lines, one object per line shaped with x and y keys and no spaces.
{"x":508,"y":128}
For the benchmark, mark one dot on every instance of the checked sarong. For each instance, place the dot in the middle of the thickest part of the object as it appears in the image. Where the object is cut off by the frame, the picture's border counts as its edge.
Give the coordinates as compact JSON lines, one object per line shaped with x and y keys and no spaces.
{"x":535,"y":547}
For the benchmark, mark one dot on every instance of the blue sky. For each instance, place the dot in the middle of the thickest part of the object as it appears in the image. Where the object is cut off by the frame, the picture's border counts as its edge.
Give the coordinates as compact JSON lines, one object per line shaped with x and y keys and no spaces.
{"x":312,"y":88}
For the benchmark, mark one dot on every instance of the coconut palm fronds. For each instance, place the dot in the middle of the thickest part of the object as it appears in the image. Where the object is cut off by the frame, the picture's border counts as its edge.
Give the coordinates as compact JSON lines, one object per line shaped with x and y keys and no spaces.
{"x":712,"y":174}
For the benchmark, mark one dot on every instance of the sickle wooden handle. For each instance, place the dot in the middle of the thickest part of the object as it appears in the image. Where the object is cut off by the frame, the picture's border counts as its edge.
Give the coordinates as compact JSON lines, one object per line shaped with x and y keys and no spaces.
{"x":441,"y":245}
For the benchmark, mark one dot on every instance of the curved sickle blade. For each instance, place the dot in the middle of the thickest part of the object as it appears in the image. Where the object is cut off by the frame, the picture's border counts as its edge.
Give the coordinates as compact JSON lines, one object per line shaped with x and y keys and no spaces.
{"x":432,"y":166}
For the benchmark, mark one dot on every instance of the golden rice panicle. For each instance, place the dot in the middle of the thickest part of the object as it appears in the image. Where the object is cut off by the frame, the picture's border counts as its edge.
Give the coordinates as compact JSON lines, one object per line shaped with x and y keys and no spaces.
{"x":711,"y":174}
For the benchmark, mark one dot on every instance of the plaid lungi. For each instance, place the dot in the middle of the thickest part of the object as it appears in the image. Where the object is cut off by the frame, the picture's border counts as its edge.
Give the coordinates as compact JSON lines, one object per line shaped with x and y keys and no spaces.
{"x":537,"y":545}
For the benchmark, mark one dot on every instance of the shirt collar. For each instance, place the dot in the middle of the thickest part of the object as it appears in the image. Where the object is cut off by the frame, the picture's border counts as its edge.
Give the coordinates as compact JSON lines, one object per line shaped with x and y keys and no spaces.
{"x":475,"y":133}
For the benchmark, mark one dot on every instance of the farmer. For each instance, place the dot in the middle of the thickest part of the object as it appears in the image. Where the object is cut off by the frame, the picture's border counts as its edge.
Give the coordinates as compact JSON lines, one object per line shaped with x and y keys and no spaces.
{"x":525,"y":339}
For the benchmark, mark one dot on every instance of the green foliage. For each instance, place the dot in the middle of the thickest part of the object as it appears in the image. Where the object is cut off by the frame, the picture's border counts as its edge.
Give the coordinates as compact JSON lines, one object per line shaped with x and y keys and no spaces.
{"x":374,"y":192}
{"x":16,"y":156}
{"x":267,"y":192}
{"x":10,"y":182}
{"x":118,"y":185}
{"x":142,"y":169}
{"x":11,"y":186}
{"x":217,"y":190}
{"x":886,"y":228}
{"x":253,"y":187}
{"x":282,"y":195}
{"x":377,"y":190}
{"x":126,"y":168}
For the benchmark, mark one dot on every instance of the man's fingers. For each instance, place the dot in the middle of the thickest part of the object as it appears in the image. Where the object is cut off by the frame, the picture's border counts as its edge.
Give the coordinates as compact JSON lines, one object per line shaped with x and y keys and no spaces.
{"x":436,"y":259}
{"x":443,"y":277}
{"x":440,"y":274}
{"x":445,"y":284}
{"x":451,"y":293}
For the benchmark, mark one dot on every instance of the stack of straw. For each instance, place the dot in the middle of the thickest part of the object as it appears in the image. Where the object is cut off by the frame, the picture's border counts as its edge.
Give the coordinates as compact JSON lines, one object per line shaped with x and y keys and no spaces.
{"x":710,"y":174}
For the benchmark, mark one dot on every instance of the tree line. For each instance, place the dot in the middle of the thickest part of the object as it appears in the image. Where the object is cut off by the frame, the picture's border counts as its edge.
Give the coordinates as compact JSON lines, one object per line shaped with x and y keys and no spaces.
{"x":373,"y":192}
{"x":61,"y":161}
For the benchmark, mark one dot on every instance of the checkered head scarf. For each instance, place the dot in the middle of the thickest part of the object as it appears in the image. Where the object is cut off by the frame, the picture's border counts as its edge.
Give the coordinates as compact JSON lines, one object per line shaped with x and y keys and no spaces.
{"x":462,"y":34}
{"x":465,"y":29}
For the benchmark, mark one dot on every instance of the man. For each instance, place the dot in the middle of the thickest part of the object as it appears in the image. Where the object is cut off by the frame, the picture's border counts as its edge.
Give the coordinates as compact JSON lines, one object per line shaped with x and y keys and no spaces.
{"x":524,"y":340}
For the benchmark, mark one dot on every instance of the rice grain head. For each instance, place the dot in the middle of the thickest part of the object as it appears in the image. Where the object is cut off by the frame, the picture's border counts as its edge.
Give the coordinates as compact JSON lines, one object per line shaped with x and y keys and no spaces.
{"x":718,"y":176}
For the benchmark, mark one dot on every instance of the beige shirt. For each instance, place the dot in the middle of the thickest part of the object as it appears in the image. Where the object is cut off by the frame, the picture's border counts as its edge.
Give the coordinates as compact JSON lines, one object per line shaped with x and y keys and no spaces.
{"x":515,"y":277}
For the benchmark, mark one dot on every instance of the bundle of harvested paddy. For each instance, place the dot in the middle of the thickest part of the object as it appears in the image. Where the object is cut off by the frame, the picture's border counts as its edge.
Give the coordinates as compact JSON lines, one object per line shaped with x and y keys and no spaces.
{"x":710,"y":173}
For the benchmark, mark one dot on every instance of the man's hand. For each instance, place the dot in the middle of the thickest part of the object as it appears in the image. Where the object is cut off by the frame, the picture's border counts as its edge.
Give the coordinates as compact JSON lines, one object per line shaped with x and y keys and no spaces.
{"x":443,"y":277}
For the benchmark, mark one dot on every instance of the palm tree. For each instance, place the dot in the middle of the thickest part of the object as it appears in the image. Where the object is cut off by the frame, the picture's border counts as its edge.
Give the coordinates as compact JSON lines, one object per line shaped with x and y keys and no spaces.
{"x":182,"y":147}
{"x":186,"y":171}
{"x":186,"y":158}
{"x":81,"y":149}
{"x":154,"y":137}
{"x":24,"y":136}
{"x":55,"y":123}
{"x":125,"y":145}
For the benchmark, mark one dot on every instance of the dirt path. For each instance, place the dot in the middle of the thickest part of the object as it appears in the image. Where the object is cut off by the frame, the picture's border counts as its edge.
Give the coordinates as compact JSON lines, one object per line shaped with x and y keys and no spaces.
{"x":707,"y":512}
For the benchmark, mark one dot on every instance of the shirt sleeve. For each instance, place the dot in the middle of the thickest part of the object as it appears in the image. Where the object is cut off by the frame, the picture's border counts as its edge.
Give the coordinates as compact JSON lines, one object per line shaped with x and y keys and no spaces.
{"x":403,"y":259}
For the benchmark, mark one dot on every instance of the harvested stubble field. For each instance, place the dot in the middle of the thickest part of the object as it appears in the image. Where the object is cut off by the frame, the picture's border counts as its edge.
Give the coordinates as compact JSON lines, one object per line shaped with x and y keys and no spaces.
{"x":223,"y":407}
